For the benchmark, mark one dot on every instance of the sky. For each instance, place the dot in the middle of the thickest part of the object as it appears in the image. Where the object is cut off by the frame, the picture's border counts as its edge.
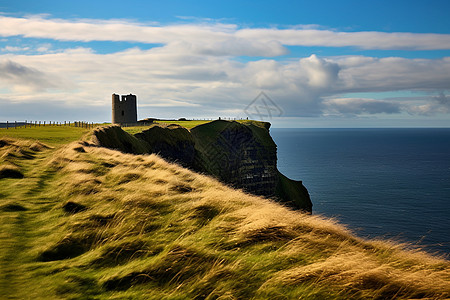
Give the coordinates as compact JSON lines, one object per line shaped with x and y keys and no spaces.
{"x":292,"y":63}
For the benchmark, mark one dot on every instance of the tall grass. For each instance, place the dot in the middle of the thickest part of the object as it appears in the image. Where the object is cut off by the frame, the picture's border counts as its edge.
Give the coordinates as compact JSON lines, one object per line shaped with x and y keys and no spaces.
{"x":90,"y":223}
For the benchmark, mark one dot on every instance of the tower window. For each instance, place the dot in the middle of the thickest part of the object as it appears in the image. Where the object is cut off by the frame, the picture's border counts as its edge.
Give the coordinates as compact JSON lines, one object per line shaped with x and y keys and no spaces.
{"x":123,"y":113}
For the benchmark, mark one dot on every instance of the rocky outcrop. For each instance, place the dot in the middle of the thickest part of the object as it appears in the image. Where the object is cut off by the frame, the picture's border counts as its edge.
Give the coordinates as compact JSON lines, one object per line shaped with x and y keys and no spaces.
{"x":114,"y":137}
{"x":241,"y":155}
{"x":171,"y":142}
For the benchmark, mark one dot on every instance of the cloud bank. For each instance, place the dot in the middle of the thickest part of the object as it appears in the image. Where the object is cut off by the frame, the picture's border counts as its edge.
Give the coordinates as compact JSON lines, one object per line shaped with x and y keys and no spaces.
{"x":196,"y":71}
{"x":215,"y":35}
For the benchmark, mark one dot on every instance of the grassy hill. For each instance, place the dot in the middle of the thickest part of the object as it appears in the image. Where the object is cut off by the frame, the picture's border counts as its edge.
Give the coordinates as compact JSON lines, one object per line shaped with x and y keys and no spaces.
{"x":84,"y":222}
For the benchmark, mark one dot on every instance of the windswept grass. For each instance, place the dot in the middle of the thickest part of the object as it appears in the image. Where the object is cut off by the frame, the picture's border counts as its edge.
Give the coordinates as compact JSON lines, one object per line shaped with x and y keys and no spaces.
{"x":91,"y":223}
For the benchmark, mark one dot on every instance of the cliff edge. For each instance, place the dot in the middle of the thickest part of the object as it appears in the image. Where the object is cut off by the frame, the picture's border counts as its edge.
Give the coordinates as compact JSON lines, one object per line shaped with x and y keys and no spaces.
{"x":242,"y":155}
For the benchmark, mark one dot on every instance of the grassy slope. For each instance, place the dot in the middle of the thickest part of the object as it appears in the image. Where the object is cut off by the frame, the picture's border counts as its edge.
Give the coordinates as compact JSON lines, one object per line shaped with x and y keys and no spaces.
{"x":88,"y":222}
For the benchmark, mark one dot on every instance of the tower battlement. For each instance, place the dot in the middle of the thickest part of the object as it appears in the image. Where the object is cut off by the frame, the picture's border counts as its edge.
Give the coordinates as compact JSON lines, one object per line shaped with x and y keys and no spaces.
{"x":124,"y":109}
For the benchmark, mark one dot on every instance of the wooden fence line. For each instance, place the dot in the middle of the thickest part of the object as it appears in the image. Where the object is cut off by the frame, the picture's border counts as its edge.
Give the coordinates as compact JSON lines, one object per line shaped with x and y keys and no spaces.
{"x":83,"y":124}
{"x":30,"y":124}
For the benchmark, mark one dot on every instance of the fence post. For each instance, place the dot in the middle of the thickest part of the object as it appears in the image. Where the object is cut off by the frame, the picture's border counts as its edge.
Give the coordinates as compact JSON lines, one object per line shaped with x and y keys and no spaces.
{"x":25,"y":123}
{"x":7,"y":124}
{"x":15,"y":124}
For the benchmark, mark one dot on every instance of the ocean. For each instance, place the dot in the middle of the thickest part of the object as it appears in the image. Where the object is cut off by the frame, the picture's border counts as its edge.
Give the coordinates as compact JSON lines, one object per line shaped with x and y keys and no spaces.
{"x":386,"y":183}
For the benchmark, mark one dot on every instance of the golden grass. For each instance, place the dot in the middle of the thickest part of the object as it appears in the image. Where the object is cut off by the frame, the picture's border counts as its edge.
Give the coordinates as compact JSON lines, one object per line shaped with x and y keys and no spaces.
{"x":117,"y":225}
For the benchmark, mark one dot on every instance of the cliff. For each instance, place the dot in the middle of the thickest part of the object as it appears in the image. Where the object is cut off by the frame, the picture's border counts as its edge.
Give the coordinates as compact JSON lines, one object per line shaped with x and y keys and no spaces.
{"x":242,"y":155}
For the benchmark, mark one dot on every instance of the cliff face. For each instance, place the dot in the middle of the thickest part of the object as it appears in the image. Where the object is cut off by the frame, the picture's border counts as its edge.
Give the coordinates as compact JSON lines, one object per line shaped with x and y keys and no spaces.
{"x":241,"y":155}
{"x":244,"y":156}
{"x":172,"y":142}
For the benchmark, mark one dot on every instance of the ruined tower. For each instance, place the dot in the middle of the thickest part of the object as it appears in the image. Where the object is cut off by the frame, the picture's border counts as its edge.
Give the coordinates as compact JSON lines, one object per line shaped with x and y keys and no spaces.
{"x":124,"y":110}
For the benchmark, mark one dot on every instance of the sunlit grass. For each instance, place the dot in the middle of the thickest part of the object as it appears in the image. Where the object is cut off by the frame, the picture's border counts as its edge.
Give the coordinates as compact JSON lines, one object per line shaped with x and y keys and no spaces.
{"x":186,"y":124}
{"x":93,"y":223}
{"x":51,"y":135}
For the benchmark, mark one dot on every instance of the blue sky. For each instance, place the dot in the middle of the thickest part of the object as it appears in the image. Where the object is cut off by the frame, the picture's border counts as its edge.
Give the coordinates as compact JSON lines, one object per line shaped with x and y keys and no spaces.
{"x":324,"y":63}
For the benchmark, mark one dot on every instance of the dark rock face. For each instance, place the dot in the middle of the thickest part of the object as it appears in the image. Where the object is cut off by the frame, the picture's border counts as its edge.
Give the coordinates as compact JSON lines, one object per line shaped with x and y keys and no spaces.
{"x":241,"y":155}
{"x":173,"y":143}
{"x":237,"y":156}
{"x":113,"y":137}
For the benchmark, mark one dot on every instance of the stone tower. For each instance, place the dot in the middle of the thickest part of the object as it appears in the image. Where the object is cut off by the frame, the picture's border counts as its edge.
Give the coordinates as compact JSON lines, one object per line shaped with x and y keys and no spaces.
{"x":124,"y":111}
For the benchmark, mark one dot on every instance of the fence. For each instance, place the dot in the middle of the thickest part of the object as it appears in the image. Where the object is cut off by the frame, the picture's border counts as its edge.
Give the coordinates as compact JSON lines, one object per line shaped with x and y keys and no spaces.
{"x":83,"y":124}
{"x":29,"y":124}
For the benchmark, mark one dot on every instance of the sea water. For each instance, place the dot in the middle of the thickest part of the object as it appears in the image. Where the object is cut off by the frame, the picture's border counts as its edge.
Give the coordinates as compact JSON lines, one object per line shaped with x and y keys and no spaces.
{"x":388,"y":183}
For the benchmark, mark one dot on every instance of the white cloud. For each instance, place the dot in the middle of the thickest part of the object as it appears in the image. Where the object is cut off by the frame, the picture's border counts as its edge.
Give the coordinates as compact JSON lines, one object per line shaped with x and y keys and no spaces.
{"x":434,"y":105}
{"x":194,"y":72}
{"x":215,"y":39}
{"x":357,"y":106}
{"x":23,"y":78}
{"x":364,"y":40}
{"x":44,"y":47}
{"x":393,"y":73}
{"x":320,"y":73}
{"x":166,"y":76}
{"x":14,"y":49}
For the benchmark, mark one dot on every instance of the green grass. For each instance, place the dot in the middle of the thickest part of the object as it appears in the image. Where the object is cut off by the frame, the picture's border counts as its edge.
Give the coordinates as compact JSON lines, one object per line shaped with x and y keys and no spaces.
{"x":186,"y":124}
{"x":91,"y":223}
{"x":51,"y":135}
